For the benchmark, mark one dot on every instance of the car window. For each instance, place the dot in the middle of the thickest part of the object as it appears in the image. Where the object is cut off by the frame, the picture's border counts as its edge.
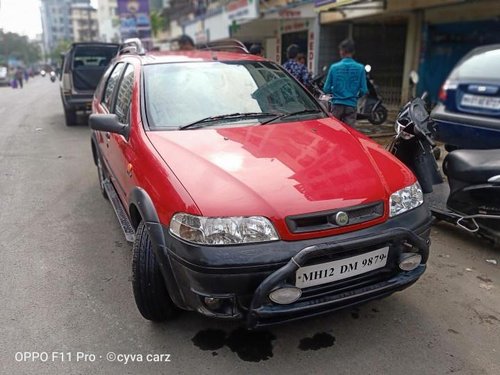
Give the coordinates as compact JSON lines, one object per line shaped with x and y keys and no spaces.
{"x":483,"y":65}
{"x":181,"y":93}
{"x":124,"y":95}
{"x":93,"y":56}
{"x":110,"y":85}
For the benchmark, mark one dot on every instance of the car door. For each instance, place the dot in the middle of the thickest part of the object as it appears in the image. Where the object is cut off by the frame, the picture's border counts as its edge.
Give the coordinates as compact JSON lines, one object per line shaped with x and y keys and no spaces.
{"x":103,"y":105}
{"x":120,"y":153}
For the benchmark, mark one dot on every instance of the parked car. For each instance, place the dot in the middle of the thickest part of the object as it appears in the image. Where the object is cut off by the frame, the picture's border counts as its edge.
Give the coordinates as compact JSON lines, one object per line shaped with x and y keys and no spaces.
{"x":82,"y":67}
{"x":243,"y":198}
{"x":4,"y":76}
{"x":468,"y":113}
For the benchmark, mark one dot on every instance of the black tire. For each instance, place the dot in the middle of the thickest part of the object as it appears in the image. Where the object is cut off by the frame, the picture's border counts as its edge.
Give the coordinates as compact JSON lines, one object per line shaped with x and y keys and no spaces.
{"x":150,"y":292}
{"x":102,"y":174}
{"x":379,"y":116}
{"x":70,"y":116}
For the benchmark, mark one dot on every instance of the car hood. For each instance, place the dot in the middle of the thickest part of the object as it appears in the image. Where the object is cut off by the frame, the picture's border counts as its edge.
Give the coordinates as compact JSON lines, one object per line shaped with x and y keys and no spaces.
{"x":280,"y":169}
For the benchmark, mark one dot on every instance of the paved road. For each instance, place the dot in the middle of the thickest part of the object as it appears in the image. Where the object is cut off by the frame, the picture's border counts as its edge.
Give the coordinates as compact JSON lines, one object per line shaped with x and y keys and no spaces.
{"x":65,"y":284}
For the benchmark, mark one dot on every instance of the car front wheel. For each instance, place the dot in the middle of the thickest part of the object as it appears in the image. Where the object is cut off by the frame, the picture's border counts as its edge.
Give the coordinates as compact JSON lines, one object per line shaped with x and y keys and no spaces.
{"x":150,"y":292}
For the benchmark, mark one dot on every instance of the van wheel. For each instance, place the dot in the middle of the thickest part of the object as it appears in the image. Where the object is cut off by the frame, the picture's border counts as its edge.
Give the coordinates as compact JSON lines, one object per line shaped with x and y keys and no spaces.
{"x":150,"y":292}
{"x":70,"y":116}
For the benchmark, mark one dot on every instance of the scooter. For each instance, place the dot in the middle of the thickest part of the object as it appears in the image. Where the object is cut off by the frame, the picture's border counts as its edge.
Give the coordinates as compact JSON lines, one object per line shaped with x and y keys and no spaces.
{"x":52,"y":76}
{"x":470,"y":199}
{"x":370,"y":107}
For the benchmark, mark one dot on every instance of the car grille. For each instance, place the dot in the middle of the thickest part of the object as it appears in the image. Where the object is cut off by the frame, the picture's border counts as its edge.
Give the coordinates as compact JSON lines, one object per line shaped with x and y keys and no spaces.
{"x":327,"y":219}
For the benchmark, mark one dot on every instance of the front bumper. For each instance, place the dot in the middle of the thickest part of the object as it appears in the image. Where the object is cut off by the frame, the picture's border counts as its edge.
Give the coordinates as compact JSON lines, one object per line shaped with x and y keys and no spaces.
{"x":78,"y":102}
{"x":241,"y":277}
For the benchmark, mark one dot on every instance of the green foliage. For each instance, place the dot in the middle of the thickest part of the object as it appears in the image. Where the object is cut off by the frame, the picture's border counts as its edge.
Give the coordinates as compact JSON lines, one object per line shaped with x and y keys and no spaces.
{"x":62,"y":47}
{"x":18,"y":46}
{"x":157,"y":23}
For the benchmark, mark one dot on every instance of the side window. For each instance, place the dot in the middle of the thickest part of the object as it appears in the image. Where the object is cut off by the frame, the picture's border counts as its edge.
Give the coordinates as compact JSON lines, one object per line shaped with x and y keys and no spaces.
{"x":124,"y":95}
{"x":110,"y":85}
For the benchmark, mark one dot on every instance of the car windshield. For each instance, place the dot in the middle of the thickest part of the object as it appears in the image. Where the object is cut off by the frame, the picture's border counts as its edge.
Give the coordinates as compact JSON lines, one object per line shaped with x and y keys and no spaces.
{"x":483,"y":65}
{"x":180,"y":94}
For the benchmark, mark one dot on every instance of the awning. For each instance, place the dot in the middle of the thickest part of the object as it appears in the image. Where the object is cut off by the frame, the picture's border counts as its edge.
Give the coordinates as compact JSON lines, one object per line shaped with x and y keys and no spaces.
{"x":324,"y":5}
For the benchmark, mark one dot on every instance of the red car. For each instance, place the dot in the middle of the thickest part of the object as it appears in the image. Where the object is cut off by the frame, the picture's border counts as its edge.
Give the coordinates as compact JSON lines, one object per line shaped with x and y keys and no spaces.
{"x":243,"y":198}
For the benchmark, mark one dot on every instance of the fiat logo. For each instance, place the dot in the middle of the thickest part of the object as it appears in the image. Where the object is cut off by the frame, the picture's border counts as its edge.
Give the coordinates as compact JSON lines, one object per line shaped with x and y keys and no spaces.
{"x":341,"y":218}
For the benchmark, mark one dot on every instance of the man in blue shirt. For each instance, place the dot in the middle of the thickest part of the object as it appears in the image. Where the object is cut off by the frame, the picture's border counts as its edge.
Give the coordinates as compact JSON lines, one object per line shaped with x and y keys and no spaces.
{"x":294,"y":67}
{"x":346,"y":81}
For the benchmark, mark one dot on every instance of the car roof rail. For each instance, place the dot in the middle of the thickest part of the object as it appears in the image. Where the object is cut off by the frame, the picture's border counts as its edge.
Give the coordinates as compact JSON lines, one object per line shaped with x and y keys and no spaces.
{"x":230,"y":45}
{"x":132,"y":46}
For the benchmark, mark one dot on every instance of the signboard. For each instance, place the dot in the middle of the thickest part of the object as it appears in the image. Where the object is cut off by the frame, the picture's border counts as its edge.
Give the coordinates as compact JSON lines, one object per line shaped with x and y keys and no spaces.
{"x":134,"y":20}
{"x":241,"y":9}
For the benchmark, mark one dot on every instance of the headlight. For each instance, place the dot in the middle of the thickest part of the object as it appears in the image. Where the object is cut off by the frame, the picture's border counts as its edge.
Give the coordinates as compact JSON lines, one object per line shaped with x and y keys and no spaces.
{"x":406,"y":199}
{"x":222,"y":230}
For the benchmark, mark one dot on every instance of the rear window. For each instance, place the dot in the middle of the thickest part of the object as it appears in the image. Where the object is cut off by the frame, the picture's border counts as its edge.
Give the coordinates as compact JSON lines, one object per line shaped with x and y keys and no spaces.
{"x":483,"y":65}
{"x":91,"y":56}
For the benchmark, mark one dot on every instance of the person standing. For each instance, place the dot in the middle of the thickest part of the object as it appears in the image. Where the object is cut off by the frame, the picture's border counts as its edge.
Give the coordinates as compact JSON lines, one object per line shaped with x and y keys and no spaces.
{"x":346,"y":81}
{"x":295,"y":68}
{"x":19,"y":76}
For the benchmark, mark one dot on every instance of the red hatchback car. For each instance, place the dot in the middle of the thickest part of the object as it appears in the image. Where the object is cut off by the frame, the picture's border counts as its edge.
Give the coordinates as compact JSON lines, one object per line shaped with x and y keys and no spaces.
{"x":243,"y":198}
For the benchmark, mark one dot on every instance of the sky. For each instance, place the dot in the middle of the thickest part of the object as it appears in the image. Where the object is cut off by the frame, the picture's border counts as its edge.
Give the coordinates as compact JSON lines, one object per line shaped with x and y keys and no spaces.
{"x":23,"y":16}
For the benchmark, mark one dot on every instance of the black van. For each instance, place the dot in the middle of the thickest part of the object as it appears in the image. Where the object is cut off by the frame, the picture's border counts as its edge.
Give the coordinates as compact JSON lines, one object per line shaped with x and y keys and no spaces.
{"x":81,"y":69}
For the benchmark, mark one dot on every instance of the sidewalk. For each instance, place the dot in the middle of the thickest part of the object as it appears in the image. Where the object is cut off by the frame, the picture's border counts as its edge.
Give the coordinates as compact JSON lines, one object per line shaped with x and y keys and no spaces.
{"x":375,"y":131}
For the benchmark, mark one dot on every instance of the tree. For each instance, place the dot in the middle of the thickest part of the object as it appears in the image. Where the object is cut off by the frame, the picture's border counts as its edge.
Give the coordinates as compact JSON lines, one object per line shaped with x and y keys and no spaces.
{"x":19,"y":47}
{"x":62,"y":47}
{"x":157,"y":23}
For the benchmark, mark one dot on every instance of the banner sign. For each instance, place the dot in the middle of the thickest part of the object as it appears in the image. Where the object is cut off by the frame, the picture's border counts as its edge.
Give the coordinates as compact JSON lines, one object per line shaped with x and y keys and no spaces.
{"x":134,"y":20}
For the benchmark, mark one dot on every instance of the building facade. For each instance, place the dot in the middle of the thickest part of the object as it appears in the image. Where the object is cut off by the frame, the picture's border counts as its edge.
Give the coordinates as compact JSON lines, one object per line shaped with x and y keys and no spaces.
{"x":109,"y":24}
{"x":393,"y":36}
{"x":56,"y":21}
{"x":85,"y":24}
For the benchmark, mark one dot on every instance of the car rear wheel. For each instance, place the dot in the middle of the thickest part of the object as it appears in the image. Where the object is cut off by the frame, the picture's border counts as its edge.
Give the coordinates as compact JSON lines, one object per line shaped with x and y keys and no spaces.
{"x":150,"y":292}
{"x":379,"y":116}
{"x":70,"y":116}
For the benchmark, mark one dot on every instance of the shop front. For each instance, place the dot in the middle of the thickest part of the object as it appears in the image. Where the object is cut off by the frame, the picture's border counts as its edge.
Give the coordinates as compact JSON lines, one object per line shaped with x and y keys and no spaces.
{"x":281,"y":24}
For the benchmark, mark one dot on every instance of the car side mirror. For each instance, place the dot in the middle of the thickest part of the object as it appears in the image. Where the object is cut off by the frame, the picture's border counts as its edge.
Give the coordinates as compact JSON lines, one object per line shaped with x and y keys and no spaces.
{"x":108,"y":123}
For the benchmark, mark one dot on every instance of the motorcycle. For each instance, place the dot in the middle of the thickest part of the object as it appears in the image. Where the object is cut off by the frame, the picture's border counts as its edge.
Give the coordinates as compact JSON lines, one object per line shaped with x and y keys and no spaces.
{"x":470,"y":198}
{"x":370,"y":107}
{"x":53,"y":76}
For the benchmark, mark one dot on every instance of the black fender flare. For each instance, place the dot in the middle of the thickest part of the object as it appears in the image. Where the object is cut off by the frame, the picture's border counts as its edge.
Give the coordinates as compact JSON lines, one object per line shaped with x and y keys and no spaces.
{"x":144,"y":204}
{"x":94,"y":146}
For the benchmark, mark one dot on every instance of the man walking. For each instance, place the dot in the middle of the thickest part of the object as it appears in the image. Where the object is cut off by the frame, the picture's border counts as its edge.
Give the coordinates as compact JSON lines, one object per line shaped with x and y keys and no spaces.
{"x":346,"y":81}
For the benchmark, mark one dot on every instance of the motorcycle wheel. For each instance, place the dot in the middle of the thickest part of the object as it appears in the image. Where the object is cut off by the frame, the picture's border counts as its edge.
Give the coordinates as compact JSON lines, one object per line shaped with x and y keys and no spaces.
{"x":379,"y":116}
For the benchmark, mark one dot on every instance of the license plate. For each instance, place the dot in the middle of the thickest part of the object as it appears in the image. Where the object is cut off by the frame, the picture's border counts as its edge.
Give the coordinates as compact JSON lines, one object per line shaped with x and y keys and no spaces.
{"x":479,"y":101}
{"x":340,"y":269}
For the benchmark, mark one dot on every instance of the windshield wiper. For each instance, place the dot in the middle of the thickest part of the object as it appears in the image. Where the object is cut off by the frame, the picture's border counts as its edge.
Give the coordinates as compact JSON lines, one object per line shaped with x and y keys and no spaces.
{"x":284,"y":115}
{"x":237,"y":115}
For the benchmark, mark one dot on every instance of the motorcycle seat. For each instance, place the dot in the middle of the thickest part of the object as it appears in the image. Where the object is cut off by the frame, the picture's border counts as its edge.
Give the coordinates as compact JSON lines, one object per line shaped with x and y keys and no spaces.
{"x":474,"y":166}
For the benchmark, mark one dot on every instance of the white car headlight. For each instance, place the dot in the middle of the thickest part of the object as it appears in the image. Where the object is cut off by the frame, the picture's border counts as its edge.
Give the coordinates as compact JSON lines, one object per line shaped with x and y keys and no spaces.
{"x":222,"y":230}
{"x":406,"y":199}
